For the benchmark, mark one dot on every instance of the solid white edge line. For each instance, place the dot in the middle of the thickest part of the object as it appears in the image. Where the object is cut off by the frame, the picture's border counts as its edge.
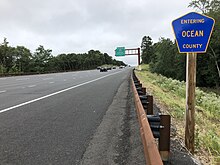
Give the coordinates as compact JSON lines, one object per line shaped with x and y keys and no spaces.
{"x":55,"y":93}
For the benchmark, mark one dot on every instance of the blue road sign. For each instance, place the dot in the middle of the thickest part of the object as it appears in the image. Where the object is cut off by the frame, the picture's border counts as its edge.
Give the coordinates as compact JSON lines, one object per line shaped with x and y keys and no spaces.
{"x":193,"y":32}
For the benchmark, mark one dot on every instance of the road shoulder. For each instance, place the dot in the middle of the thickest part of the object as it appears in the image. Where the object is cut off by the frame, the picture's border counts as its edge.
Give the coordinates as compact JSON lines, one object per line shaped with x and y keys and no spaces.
{"x":117,"y":139}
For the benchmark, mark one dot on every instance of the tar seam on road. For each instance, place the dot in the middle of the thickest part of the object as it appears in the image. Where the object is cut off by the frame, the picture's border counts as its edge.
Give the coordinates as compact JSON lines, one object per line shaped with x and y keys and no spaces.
{"x":55,"y":93}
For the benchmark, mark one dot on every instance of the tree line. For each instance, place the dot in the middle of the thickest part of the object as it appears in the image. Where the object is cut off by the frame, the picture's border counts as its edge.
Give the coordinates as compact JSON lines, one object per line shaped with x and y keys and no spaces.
{"x":20,"y":60}
{"x":164,"y":58}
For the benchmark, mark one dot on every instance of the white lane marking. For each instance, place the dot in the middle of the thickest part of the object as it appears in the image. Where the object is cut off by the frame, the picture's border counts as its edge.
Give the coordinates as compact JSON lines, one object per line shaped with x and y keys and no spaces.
{"x":20,"y":79}
{"x":50,"y":78}
{"x":51,"y":82}
{"x":3,"y":91}
{"x":31,"y":86}
{"x":55,"y":93}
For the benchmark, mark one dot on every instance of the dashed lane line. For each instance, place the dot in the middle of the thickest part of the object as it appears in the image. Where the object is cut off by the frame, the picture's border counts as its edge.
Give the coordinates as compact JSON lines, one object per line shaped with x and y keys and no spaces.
{"x":31,"y":86}
{"x":49,"y":78}
{"x":21,"y":79}
{"x":55,"y":93}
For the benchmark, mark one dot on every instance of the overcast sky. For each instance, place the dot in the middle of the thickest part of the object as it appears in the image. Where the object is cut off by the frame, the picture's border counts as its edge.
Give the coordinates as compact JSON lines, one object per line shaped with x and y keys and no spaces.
{"x":81,"y":25}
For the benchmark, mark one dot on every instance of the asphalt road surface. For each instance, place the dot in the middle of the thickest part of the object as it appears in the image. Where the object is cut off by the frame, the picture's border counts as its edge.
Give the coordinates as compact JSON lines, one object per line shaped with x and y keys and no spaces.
{"x":50,"y":119}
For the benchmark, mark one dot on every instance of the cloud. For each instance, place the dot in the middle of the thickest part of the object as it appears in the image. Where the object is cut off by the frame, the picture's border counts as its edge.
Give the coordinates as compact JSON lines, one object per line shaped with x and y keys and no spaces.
{"x":81,"y":25}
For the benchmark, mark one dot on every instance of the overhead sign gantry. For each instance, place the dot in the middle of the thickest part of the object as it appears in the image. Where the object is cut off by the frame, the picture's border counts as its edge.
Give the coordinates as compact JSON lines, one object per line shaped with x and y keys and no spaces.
{"x":121,"y":51}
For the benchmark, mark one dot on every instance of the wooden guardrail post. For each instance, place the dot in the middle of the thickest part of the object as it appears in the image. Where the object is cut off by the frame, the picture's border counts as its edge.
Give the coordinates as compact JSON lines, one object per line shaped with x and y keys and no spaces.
{"x":164,"y":140}
{"x":144,"y":90}
{"x":150,"y":105}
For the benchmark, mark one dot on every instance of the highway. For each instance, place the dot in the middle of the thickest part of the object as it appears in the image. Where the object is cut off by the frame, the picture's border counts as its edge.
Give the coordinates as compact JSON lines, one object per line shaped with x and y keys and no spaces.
{"x":50,"y":118}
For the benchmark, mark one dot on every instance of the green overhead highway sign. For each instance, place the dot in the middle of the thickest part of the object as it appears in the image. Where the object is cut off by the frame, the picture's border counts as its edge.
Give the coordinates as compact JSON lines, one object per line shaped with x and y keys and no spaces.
{"x":120,"y":51}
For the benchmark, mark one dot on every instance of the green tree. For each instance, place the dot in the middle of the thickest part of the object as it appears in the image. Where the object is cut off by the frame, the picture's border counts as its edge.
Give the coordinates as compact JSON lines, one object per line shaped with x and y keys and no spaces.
{"x":4,"y":48}
{"x":209,"y":70}
{"x":147,"y":49}
{"x":23,"y":59}
{"x":20,"y":59}
{"x":41,"y":58}
{"x":108,"y":59}
{"x":205,"y":6}
{"x":7,"y":58}
{"x":167,"y":60}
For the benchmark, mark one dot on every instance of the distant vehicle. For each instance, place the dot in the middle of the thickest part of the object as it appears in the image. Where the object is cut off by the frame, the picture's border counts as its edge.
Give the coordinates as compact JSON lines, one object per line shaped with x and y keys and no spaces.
{"x":98,"y":67}
{"x":113,"y":67}
{"x":109,"y":68}
{"x":121,"y":67}
{"x":103,"y":69}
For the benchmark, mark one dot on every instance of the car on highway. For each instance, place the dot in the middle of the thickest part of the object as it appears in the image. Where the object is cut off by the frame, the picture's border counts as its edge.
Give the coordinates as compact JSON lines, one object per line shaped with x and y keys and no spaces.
{"x":103,"y":69}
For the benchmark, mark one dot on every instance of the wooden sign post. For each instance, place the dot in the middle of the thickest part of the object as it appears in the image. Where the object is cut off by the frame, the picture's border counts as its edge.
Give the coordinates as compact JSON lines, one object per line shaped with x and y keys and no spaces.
{"x":192,"y":32}
{"x":190,"y":101}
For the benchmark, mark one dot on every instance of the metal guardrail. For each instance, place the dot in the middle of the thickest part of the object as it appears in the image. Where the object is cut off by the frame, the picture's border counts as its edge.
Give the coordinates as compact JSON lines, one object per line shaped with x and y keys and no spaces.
{"x":151,"y":152}
{"x":151,"y":126}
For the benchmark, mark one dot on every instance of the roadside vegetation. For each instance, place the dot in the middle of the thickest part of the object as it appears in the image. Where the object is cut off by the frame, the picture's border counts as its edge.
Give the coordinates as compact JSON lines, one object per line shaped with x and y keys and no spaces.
{"x":164,"y":58}
{"x":164,"y":74}
{"x":171,"y":93}
{"x":20,"y":60}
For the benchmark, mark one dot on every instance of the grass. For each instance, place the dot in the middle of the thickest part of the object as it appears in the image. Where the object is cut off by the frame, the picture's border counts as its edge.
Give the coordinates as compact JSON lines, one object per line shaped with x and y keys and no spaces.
{"x":171,"y":93}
